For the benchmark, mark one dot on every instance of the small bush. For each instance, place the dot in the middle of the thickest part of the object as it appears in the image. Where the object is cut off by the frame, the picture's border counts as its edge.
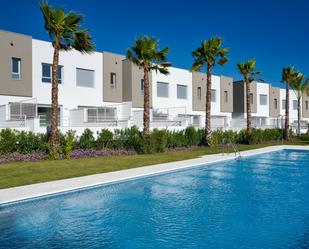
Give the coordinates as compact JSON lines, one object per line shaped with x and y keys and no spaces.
{"x":87,"y":140}
{"x":105,"y":139}
{"x":158,"y":140}
{"x":7,"y":141}
{"x":175,"y":139}
{"x":134,"y":139}
{"x":68,"y":144}
{"x":28,"y":142}
{"x":191,"y":136}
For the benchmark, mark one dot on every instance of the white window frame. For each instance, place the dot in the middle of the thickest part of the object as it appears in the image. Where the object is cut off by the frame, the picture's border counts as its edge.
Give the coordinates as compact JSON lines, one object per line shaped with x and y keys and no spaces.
{"x":226,"y":96}
{"x":165,"y":83}
{"x":142,"y":85}
{"x":60,"y":68}
{"x":266,"y":98}
{"x":112,"y":77}
{"x":295,"y":104}
{"x":85,"y":69}
{"x":275,"y":103}
{"x":18,"y":74}
{"x":283,"y":103}
{"x":185,"y":87}
{"x":213,"y":96}
{"x":199,"y":93}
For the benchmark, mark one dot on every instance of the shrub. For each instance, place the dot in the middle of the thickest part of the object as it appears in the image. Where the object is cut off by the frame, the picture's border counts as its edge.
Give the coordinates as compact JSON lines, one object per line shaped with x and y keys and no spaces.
{"x":158,"y":140}
{"x":223,"y":137}
{"x":68,"y":144}
{"x":175,"y":139}
{"x":28,"y":142}
{"x":7,"y":141}
{"x":134,"y":139}
{"x":104,"y":139}
{"x":191,"y":136}
{"x":87,"y":140}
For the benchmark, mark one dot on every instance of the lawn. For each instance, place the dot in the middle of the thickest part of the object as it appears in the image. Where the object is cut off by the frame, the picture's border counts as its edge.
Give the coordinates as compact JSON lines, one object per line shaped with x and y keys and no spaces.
{"x":23,"y":173}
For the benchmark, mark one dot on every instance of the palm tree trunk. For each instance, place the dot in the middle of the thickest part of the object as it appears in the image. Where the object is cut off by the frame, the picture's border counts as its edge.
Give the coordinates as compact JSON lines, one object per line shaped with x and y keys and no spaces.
{"x":248,"y":105}
{"x":287,"y":112}
{"x":298,"y":115}
{"x":53,"y":139}
{"x":146,"y":117}
{"x":208,"y":106}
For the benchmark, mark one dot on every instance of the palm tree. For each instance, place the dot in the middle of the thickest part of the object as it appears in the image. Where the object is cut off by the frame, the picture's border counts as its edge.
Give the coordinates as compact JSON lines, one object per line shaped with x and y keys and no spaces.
{"x":288,"y":74}
{"x":209,"y":54}
{"x":300,"y":85}
{"x":247,"y":71}
{"x":64,"y":30}
{"x":145,"y":54}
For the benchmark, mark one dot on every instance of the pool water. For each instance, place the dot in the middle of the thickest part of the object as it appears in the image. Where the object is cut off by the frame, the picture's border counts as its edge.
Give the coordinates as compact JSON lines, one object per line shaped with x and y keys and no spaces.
{"x":259,"y":202}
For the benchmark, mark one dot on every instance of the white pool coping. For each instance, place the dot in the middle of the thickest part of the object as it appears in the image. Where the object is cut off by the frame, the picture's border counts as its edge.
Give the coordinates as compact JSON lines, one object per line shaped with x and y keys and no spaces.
{"x":15,"y":194}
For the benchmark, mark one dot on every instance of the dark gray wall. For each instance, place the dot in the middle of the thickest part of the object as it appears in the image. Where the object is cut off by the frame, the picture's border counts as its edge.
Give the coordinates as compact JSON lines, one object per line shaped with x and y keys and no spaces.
{"x":132,"y":76}
{"x":19,"y":46}
{"x":198,"y":80}
{"x":112,"y":63}
{"x":305,"y":112}
{"x":226,"y":84}
{"x":274,"y":93}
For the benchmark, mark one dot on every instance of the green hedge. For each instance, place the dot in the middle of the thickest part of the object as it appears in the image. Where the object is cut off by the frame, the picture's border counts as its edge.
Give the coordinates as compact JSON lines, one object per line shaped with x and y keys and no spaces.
{"x":130,"y":139}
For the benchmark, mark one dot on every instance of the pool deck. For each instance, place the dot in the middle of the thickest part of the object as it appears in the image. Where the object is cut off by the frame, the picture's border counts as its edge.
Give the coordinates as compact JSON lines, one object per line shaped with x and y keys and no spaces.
{"x":11,"y":195}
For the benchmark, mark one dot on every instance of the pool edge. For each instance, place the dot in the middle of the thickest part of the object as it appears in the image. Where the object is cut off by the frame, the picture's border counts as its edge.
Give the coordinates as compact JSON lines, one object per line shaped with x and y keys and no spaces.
{"x":11,"y":196}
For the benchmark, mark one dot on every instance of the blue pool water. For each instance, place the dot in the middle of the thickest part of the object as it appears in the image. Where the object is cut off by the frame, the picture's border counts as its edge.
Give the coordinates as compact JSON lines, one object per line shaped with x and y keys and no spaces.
{"x":259,"y":202}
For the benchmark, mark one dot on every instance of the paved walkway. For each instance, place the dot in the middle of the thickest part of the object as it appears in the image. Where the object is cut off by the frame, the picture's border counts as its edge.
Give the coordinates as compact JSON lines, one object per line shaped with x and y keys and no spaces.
{"x":47,"y":188}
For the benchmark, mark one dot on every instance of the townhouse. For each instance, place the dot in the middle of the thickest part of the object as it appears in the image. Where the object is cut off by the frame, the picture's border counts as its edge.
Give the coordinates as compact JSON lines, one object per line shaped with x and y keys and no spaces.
{"x":267,"y":106}
{"x":106,"y":90}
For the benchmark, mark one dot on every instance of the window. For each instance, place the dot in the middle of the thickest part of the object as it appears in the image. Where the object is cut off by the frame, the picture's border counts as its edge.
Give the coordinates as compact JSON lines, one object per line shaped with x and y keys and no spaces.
{"x":182,"y":92}
{"x":142,"y":86}
{"x":199,"y":93}
{"x":251,"y":98}
{"x":263,"y":99}
{"x":84,"y":77}
{"x":283,"y":104}
{"x":113,"y":80}
{"x":16,"y":68}
{"x":47,"y":73}
{"x":162,"y":89}
{"x":213,"y":95}
{"x":295,"y":104}
{"x":226,"y":96}
{"x":306,"y":105}
{"x":276,"y":103}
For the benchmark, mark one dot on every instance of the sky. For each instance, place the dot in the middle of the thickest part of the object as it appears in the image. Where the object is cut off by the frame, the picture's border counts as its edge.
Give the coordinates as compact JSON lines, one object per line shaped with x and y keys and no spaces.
{"x":274,"y":32}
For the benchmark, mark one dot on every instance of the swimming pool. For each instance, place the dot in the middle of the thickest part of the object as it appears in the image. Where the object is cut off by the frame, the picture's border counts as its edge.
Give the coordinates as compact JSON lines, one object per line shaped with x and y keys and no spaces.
{"x":259,"y":202}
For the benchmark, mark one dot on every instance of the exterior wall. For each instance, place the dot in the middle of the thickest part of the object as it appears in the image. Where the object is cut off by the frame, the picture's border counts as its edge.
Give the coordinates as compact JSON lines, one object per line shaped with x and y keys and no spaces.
{"x":112,"y":63}
{"x":226,"y":84}
{"x":198,"y":80}
{"x":127,"y":80}
{"x":175,"y":105}
{"x":19,"y":46}
{"x":293,"y":113}
{"x":70,"y":95}
{"x":220,"y":84}
{"x":261,"y":110}
{"x":257,"y":88}
{"x":274,"y":93}
{"x":305,"y":112}
{"x":132,"y":76}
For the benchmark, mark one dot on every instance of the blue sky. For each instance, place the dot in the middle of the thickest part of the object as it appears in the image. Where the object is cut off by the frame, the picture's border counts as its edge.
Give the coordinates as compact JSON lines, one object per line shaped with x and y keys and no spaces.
{"x":274,"y":32}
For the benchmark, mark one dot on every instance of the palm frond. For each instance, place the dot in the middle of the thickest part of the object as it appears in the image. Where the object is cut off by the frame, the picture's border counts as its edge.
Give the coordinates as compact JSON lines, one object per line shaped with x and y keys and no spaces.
{"x":64,"y":29}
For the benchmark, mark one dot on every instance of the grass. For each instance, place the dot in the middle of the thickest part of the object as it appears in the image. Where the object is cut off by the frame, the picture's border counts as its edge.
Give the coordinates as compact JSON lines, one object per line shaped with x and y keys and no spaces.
{"x":23,"y":173}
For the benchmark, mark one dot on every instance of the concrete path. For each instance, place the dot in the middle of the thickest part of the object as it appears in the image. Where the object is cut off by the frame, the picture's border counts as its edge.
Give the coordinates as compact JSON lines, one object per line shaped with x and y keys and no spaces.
{"x":47,"y":188}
